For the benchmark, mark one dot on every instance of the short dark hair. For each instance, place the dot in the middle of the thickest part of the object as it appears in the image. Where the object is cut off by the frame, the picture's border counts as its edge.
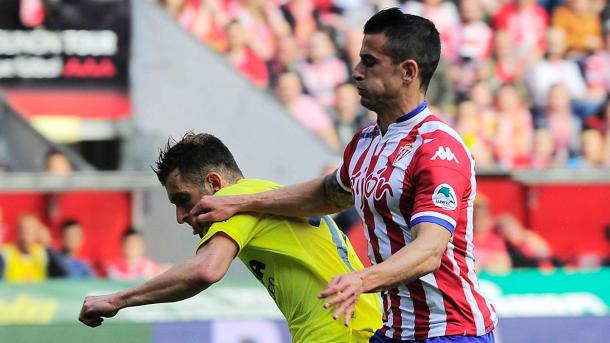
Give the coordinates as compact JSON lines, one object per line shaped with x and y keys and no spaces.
{"x":68,"y":223}
{"x":195,"y":155}
{"x":409,"y":37}
{"x":130,"y":231}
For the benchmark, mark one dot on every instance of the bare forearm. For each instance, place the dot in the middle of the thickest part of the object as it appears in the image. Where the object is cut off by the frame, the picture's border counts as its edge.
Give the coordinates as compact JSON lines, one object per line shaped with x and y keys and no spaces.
{"x":178,"y":283}
{"x":401,"y":268}
{"x":420,"y":257}
{"x":323,"y":195}
{"x":300,"y":200}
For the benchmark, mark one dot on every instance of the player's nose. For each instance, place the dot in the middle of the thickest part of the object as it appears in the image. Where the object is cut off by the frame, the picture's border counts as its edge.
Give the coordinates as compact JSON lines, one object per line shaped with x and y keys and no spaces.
{"x":181,"y":215}
{"x":357,"y":72}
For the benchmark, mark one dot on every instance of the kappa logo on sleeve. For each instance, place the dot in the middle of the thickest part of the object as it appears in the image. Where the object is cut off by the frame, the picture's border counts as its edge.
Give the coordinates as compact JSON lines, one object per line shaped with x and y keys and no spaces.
{"x":445,"y":154}
{"x":444,"y":197}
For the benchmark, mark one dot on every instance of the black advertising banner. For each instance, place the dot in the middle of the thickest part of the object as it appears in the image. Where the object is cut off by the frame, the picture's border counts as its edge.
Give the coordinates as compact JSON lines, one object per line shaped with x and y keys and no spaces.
{"x":64,"y":43}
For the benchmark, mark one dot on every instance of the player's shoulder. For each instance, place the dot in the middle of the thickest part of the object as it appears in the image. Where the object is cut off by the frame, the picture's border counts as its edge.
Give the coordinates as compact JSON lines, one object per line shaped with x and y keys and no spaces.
{"x":367,"y":132}
{"x":435,"y":129}
{"x":248,"y":186}
{"x":441,"y":144}
{"x":360,"y":138}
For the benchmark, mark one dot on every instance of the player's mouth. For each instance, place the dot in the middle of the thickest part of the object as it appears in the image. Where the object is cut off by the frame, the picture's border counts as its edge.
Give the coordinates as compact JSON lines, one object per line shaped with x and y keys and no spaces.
{"x":361,"y":91}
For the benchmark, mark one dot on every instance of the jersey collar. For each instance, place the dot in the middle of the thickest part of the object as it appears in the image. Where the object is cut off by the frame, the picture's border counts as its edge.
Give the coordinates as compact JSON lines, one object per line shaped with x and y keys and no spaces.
{"x":417,"y":110}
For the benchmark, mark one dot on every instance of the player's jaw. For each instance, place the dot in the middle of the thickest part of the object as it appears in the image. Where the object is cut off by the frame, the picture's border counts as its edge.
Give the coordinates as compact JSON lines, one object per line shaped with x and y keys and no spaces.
{"x":197,"y":229}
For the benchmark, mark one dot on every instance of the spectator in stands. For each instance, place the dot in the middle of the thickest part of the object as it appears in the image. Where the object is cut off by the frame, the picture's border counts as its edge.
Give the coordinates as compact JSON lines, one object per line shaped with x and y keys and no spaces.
{"x":526,"y":22}
{"x":505,"y":66}
{"x":57,"y":163}
{"x":303,"y":18}
{"x":482,"y":96}
{"x":543,"y":154}
{"x":550,"y":5}
{"x":263,"y":20}
{"x":519,"y":43}
{"x":597,"y":70}
{"x":72,"y":241}
{"x":470,"y":127}
{"x":133,"y":264}
{"x":513,"y":140}
{"x":604,"y":13}
{"x":490,"y":252}
{"x":322,"y":71}
{"x":30,"y":259}
{"x":305,"y":109}
{"x":351,"y":45}
{"x":474,"y":47}
{"x":209,"y":24}
{"x":441,"y":90}
{"x":445,"y":16}
{"x":287,"y":57}
{"x":601,"y":122}
{"x":243,"y":58}
{"x":475,"y":35}
{"x":525,"y":247}
{"x":184,"y":11}
{"x":349,"y":115}
{"x":562,"y":123}
{"x":595,"y":151}
{"x":581,"y":24}
{"x":554,"y":69}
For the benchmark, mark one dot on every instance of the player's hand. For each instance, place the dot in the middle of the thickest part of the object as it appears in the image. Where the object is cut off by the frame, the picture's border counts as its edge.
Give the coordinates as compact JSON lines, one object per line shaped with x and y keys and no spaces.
{"x":96,"y":307}
{"x":346,"y":289}
{"x":213,"y":209}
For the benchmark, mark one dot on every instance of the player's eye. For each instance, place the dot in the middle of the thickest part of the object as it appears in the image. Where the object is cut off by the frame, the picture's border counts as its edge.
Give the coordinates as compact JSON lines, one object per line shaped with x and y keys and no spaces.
{"x":182,"y":200}
{"x":368,"y":62}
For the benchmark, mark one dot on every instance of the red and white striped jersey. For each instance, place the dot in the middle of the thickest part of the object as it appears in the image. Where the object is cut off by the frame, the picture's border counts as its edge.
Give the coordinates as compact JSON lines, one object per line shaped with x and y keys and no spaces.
{"x":419,"y":171}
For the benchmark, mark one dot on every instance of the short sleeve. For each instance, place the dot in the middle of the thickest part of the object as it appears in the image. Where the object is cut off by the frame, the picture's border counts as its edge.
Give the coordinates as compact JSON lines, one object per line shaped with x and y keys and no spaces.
{"x":442,"y":179}
{"x":241,"y":228}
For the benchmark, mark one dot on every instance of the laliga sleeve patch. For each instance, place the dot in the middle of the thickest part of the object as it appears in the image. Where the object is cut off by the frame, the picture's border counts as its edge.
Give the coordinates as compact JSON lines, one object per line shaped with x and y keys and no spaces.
{"x":444,"y":197}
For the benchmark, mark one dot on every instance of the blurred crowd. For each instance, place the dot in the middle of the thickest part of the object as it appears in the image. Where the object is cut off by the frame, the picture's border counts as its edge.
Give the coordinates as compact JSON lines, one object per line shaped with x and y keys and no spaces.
{"x":503,"y":243}
{"x":525,"y":82}
{"x":34,"y":256}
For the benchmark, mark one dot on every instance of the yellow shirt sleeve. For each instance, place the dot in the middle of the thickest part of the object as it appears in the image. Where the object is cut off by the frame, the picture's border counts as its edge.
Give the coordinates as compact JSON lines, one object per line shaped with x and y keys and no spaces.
{"x":241,"y":228}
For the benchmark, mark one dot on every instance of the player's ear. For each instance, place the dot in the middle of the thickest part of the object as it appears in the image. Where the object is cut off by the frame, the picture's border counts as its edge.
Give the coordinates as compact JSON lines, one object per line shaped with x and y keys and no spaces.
{"x":214,"y":180}
{"x":410,"y":70}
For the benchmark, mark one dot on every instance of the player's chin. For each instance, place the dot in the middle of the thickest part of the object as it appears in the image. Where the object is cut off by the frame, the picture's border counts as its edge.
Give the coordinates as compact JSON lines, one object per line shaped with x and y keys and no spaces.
{"x":365,"y":102}
{"x":197,"y":232}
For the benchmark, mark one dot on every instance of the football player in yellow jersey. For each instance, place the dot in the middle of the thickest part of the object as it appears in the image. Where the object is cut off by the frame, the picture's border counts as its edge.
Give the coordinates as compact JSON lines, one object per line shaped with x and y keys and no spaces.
{"x":294,"y":258}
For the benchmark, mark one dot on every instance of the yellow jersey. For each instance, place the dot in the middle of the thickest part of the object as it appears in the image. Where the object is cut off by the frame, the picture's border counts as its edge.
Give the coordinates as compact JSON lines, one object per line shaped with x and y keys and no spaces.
{"x":294,"y":259}
{"x":19,"y":267}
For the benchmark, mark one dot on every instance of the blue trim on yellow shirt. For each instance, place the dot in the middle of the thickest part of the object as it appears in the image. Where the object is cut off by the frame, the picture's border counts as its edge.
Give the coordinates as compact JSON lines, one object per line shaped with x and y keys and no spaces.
{"x":341,"y":247}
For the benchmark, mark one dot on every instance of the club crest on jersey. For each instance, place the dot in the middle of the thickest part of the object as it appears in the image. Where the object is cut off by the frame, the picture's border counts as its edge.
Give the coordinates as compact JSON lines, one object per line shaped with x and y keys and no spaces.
{"x":445,"y":154}
{"x":402,"y":152}
{"x":444,"y":197}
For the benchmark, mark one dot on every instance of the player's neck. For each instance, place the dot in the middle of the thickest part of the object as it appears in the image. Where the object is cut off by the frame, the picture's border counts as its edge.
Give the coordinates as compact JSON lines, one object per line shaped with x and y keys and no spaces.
{"x":390,"y":115}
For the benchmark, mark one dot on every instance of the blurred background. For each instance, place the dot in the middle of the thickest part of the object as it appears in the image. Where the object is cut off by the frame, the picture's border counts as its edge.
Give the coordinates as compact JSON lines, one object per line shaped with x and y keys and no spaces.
{"x":91,"y":90}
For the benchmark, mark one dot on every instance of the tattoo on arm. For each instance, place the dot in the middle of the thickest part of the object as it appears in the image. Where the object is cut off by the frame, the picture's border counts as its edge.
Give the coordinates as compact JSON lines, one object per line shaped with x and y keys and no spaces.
{"x":335,"y":194}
